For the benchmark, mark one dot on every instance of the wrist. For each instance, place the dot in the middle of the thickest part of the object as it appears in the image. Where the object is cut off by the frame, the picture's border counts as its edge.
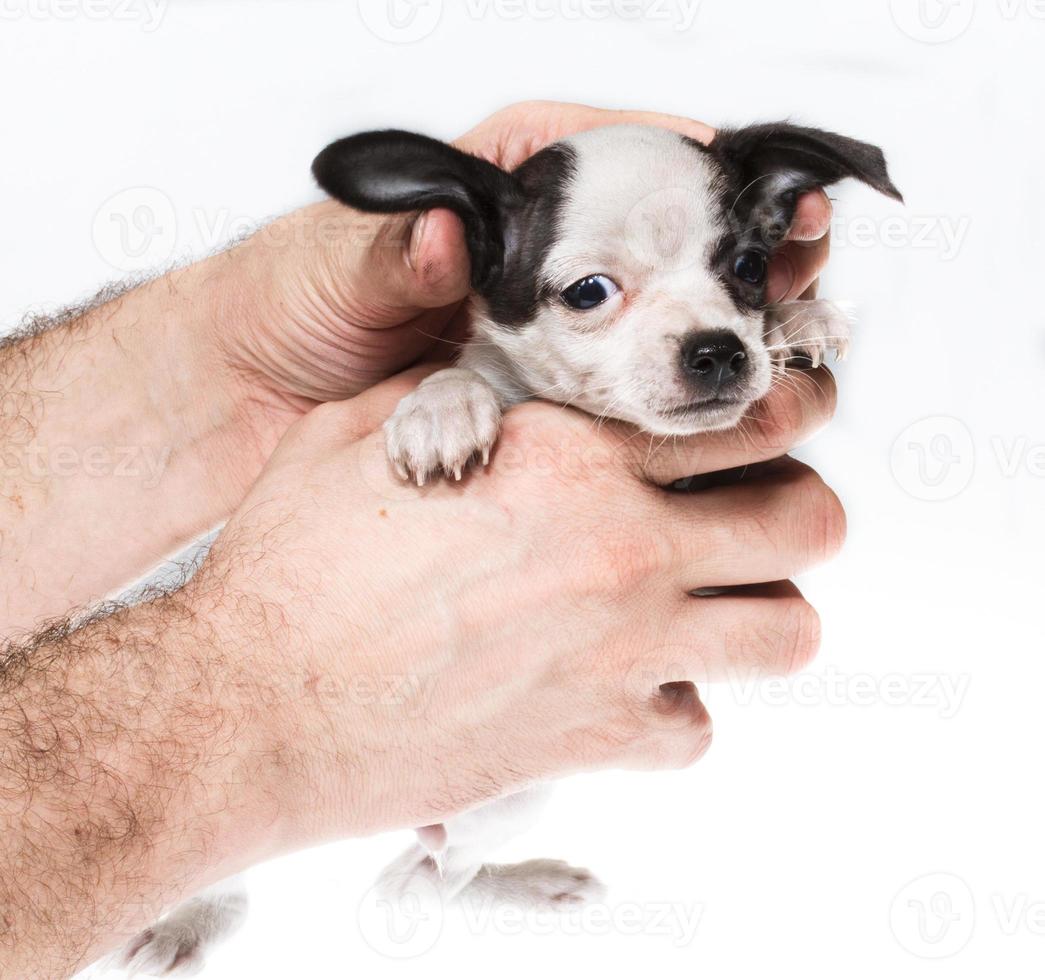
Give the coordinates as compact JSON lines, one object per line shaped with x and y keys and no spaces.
{"x":292,"y":712}
{"x":126,"y":419}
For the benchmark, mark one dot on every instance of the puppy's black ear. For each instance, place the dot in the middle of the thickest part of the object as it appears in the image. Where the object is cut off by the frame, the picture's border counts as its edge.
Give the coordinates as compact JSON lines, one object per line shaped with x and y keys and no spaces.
{"x":393,"y":171}
{"x":773,"y":163}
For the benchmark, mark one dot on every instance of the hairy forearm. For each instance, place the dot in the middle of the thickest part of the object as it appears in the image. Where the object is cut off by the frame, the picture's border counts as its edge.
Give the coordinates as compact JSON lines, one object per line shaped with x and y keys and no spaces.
{"x":131,"y":774}
{"x":122,"y":438}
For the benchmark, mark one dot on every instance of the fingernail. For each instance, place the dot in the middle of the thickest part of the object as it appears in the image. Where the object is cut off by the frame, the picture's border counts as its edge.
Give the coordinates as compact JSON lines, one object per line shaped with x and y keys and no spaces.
{"x":808,"y":229}
{"x":417,"y":235}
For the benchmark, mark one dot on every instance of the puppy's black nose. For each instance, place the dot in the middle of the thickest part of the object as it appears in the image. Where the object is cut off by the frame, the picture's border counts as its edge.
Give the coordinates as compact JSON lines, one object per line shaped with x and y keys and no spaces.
{"x":713,"y":358}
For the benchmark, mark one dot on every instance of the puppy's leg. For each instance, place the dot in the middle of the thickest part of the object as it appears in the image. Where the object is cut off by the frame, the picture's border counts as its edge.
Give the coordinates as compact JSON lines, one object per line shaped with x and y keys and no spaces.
{"x":451,"y":418}
{"x":417,"y":876}
{"x":177,"y":945}
{"x":453,"y":864}
{"x":807,"y":328}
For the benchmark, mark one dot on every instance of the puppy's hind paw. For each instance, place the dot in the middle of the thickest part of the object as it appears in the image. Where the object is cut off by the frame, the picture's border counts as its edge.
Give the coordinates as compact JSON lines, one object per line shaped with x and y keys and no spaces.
{"x":450,"y":420}
{"x":164,"y":952}
{"x":177,"y":945}
{"x":538,"y":884}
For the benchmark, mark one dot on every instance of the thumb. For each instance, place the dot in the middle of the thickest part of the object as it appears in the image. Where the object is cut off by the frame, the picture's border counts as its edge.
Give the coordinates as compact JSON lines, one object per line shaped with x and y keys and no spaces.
{"x":417,"y":262}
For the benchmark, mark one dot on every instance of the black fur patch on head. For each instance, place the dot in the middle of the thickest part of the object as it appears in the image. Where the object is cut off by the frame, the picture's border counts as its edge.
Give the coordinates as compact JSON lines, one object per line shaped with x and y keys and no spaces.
{"x":770,"y":165}
{"x":393,"y":171}
{"x":510,"y":219}
{"x":532,"y":227}
{"x":767,"y":168}
{"x":727,"y":188}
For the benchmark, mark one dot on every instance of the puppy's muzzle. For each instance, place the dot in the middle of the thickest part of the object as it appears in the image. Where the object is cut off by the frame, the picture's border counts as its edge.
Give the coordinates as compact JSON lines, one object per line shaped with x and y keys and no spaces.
{"x":714,"y":361}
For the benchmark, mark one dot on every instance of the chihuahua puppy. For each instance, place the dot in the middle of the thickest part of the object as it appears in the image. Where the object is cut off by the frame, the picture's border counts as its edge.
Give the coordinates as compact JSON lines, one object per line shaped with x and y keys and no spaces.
{"x":622,"y":271}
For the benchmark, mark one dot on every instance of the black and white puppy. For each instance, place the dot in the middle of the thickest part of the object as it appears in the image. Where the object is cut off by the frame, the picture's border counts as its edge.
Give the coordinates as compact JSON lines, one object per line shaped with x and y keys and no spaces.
{"x":621,"y":270}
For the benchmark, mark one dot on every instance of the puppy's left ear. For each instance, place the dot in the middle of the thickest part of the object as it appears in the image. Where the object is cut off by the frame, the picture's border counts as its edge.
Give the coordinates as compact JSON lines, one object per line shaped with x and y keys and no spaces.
{"x":394,"y":171}
{"x":774,"y":163}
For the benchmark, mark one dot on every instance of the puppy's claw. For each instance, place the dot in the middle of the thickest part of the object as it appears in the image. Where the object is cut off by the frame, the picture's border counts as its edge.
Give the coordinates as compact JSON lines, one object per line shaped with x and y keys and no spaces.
{"x":808,"y":329}
{"x":440,"y":428}
{"x":401,"y":471}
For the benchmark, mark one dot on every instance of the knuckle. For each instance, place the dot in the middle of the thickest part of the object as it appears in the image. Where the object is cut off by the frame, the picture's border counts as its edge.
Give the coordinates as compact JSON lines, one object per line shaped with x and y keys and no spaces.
{"x":625,"y":560}
{"x":325,"y":421}
{"x":553,"y":447}
{"x":531,"y":422}
{"x":679,"y":727}
{"x":685,"y":748}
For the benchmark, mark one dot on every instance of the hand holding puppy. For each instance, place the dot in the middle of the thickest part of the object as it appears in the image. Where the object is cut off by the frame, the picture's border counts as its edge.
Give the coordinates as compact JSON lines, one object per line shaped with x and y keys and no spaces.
{"x":532,"y":607}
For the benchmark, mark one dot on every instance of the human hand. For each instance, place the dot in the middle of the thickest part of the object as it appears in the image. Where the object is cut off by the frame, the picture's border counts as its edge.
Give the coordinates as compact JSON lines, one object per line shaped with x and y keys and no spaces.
{"x":428,"y":650}
{"x":334,"y":300}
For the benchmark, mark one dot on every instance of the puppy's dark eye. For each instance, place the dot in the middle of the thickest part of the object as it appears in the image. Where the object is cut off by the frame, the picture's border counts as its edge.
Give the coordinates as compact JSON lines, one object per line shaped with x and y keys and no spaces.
{"x":587,"y":293}
{"x":751,"y":266}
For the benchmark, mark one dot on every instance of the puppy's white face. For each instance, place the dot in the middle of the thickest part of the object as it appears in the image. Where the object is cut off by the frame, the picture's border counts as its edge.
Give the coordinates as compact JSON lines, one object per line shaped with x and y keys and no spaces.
{"x":633,"y":315}
{"x":622,"y":270}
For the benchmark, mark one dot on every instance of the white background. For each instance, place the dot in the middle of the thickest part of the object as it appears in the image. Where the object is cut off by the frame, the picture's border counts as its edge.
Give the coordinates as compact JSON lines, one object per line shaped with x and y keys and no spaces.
{"x":912,"y":748}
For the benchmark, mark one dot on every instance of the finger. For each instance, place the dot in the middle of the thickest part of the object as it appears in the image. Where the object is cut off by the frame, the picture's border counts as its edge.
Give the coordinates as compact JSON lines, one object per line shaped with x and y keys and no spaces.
{"x":800,"y":261}
{"x":797,"y":265}
{"x":768,"y":528}
{"x":795,"y":409}
{"x":676,"y":729}
{"x":418,"y":262}
{"x":765,"y":630}
{"x":812,"y":218}
{"x":517,"y":132}
{"x":699,"y":131}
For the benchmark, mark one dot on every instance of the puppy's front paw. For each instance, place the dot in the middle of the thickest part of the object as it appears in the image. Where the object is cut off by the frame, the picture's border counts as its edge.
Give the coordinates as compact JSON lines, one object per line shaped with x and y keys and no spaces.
{"x":807,"y":328}
{"x":451,"y":418}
